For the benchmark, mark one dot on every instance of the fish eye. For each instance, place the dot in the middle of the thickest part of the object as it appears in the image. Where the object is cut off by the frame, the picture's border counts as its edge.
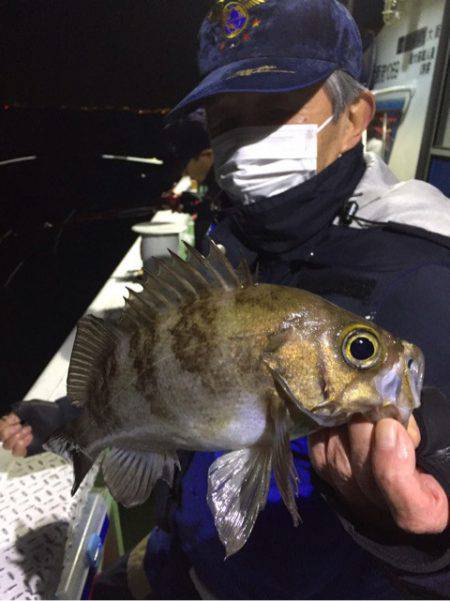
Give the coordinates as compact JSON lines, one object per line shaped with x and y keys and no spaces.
{"x":361,"y":348}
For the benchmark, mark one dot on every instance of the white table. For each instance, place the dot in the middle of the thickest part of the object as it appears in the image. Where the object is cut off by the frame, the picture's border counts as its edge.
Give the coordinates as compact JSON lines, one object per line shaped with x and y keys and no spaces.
{"x":40,"y":523}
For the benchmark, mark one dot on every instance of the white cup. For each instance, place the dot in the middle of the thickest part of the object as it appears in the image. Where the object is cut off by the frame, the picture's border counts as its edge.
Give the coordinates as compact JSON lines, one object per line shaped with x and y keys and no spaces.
{"x":158,"y":238}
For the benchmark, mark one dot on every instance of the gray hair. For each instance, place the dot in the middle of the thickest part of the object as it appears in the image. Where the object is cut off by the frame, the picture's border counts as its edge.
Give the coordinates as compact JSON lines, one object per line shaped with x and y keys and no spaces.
{"x":342,"y":90}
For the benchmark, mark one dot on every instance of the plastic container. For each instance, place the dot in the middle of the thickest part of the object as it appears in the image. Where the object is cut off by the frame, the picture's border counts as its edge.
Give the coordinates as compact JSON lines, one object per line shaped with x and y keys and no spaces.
{"x":158,"y":239}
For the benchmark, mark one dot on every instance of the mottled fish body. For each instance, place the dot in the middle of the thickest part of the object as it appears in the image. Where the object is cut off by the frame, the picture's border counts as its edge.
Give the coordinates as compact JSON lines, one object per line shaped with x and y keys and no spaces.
{"x":203,"y":359}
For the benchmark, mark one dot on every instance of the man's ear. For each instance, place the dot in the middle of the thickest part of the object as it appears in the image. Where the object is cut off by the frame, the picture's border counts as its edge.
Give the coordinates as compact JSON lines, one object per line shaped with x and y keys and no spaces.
{"x":359,"y":115}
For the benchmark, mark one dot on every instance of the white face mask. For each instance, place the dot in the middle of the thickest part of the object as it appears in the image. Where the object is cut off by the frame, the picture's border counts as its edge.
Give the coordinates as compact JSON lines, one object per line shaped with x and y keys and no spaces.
{"x":257,"y":162}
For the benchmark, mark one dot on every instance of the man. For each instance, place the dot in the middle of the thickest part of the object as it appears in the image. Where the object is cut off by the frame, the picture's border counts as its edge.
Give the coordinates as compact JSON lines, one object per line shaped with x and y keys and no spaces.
{"x":286,"y":115}
{"x":188,"y":151}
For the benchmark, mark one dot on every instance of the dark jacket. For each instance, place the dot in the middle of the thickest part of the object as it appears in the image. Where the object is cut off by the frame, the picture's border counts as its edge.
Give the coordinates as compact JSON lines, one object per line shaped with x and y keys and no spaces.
{"x":396,"y":275}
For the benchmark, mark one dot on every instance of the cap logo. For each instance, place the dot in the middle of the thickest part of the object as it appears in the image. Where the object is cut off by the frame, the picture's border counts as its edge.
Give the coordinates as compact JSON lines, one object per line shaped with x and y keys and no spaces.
{"x":234,"y":16}
{"x":235,"y":19}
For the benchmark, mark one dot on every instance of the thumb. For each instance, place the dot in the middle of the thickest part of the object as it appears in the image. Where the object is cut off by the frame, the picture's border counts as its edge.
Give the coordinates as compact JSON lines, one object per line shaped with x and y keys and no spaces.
{"x":416,"y":500}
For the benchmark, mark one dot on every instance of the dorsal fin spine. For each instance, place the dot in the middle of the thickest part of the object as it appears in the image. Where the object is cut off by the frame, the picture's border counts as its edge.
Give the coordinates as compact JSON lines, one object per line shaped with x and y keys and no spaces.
{"x":206,"y":265}
{"x":146,"y":308}
{"x":131,"y":317}
{"x":192,"y":271}
{"x":171,"y":271}
{"x":220,"y":258}
{"x":140,"y":298}
{"x":167,"y":284}
{"x":177,"y":282}
{"x":153,"y":289}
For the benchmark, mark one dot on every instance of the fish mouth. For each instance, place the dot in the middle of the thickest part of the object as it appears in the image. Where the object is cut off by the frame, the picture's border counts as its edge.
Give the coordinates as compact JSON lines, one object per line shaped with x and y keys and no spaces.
{"x":415,"y":373}
{"x":396,"y":402}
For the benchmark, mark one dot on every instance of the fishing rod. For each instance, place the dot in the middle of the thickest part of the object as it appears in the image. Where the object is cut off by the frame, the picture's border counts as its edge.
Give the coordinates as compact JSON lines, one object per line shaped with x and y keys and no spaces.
{"x":71,"y":221}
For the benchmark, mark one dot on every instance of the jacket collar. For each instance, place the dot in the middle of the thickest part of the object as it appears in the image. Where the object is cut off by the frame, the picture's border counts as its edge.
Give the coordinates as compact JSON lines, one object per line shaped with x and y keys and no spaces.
{"x":279,"y":225}
{"x":381,"y":198}
{"x":377,"y":180}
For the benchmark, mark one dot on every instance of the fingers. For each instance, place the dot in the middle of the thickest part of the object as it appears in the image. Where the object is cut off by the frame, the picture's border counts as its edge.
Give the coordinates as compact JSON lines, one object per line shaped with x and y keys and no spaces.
{"x":343,"y":458}
{"x":15,"y":436}
{"x":360,"y":436}
{"x":20,"y":446}
{"x":317,"y":444}
{"x":413,"y":431}
{"x":16,"y":433}
{"x":330,"y":455}
{"x":374,"y":468}
{"x":416,"y":501}
{"x":9,"y":425}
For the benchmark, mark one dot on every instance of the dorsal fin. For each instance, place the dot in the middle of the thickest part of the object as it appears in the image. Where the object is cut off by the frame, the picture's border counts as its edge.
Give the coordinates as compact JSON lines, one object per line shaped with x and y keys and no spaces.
{"x":222,"y":266}
{"x":168,"y":273}
{"x":215,"y":269}
{"x":208,"y":268}
{"x":174,"y":282}
{"x":189,"y":273}
{"x":94,"y":342}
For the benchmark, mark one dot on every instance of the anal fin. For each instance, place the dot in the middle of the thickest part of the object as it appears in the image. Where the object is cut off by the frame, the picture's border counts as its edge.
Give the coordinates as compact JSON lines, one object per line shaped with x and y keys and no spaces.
{"x":131,"y":475}
{"x":81,"y":467}
{"x":59,"y":444}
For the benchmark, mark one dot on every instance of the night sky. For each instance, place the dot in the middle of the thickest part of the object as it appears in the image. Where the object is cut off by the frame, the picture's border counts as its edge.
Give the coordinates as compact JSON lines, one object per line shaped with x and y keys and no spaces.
{"x":138,"y":53}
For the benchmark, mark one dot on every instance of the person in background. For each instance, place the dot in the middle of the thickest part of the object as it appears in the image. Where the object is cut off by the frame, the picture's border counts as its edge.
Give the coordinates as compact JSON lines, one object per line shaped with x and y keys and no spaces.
{"x":286,"y":113}
{"x":189,"y":154}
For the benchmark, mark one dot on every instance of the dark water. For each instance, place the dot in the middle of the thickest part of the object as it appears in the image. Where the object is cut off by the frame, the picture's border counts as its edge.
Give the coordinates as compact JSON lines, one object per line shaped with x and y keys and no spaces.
{"x":50,"y":274}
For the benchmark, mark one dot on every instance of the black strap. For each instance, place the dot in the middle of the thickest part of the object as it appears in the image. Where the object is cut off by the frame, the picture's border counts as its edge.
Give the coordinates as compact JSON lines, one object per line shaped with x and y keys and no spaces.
{"x":349,"y":214}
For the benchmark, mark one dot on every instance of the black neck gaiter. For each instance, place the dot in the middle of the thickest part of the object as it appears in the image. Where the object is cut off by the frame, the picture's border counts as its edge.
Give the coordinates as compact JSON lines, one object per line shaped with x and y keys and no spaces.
{"x":281,"y":224}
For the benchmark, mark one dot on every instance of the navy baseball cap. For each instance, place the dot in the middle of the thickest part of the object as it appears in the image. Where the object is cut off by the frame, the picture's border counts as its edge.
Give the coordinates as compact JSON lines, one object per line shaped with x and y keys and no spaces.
{"x":274,"y":46}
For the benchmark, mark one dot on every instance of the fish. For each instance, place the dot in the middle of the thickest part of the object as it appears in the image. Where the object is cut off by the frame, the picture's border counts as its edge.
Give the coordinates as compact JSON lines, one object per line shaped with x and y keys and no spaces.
{"x":206,"y":359}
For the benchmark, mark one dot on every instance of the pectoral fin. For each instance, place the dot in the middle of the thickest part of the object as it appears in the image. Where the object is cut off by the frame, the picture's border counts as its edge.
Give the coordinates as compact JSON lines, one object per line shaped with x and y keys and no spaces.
{"x":131,"y":475}
{"x":283,"y":463}
{"x":238,"y":484}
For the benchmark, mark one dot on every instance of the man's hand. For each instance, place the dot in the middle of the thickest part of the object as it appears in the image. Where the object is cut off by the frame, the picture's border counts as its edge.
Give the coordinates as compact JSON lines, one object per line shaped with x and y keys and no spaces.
{"x":373,"y":469}
{"x":15,"y":436}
